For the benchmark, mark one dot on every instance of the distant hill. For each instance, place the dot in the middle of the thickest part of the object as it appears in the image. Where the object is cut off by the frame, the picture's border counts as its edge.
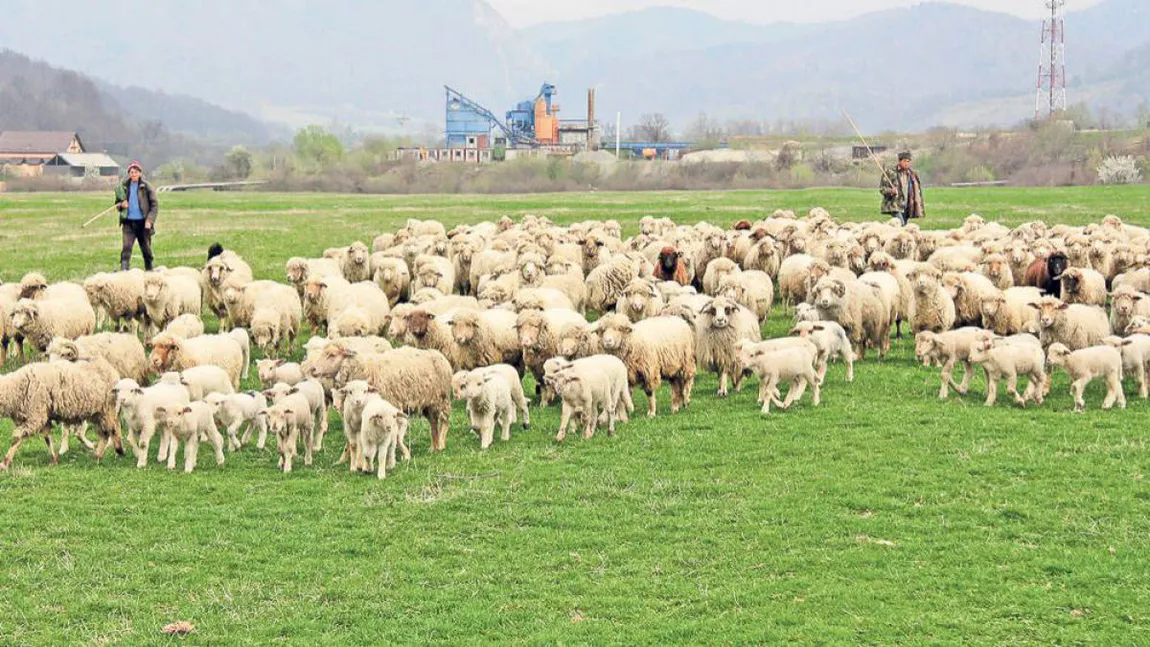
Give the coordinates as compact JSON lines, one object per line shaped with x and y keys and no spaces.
{"x":383,"y":63}
{"x":189,"y":115}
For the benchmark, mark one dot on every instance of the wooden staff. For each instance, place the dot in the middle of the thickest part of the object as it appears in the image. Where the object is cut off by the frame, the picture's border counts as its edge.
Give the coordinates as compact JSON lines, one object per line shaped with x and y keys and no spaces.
{"x":870,"y":150}
{"x":97,"y":216}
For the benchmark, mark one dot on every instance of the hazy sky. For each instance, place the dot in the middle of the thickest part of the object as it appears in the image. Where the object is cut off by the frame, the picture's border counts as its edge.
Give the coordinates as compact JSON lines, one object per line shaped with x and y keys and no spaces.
{"x":525,"y":12}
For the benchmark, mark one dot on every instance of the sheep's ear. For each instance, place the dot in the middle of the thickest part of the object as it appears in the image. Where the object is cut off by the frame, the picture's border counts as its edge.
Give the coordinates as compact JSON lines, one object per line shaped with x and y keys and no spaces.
{"x":187,"y":409}
{"x":289,"y":412}
{"x":1127,"y":342}
{"x":137,"y":390}
{"x":278,"y":362}
{"x":1137,"y":297}
{"x":818,"y":327}
{"x":399,"y":415}
{"x":795,"y":331}
{"x":372,"y":389}
{"x":1032,"y":305}
{"x":161,"y":410}
{"x":1063,"y":306}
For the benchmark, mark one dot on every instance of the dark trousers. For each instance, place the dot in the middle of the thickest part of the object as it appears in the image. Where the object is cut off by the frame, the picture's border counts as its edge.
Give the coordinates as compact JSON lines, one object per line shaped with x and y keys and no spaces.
{"x":134,"y":232}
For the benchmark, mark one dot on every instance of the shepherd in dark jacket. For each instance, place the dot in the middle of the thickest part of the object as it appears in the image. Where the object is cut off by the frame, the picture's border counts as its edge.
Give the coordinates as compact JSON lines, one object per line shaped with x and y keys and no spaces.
{"x":136,"y":201}
{"x":902,"y":191}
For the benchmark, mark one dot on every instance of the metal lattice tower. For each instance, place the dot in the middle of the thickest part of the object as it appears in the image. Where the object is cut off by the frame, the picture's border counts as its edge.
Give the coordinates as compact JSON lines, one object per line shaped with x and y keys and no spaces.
{"x":1051,"y":96}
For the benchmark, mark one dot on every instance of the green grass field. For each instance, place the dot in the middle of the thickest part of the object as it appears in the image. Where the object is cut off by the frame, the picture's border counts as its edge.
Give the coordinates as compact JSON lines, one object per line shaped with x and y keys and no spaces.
{"x":884,"y":516}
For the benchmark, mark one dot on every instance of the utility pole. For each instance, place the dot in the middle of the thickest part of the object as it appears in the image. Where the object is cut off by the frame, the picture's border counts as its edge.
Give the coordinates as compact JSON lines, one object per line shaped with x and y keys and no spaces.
{"x":1051,"y":96}
{"x":618,"y":126}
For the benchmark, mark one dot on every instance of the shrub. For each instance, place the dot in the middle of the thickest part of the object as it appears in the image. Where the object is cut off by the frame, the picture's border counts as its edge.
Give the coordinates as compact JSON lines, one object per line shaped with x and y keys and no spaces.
{"x":1119,"y":170}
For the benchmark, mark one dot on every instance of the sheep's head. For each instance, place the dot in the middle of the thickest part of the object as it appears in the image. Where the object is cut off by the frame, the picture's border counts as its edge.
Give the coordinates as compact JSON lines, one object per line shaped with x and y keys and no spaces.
{"x":614,"y":331}
{"x":1057,"y":353}
{"x":388,"y":417}
{"x":980,"y":350}
{"x":463,"y":326}
{"x":592,"y":247}
{"x":313,"y":289}
{"x":165,"y":350}
{"x":426,"y":295}
{"x":830,"y":293}
{"x":472,"y":385}
{"x":327,"y":363}
{"x":954,"y":285}
{"x":806,"y":328}
{"x":1050,"y":310}
{"x":397,"y":325}
{"x":806,"y":312}
{"x":1139,"y":324}
{"x":25,"y":314}
{"x":218,"y":270}
{"x":94,"y":287}
{"x":278,"y":391}
{"x":493,"y":294}
{"x":353,"y":322}
{"x":154,"y":285}
{"x":297,"y":269}
{"x":419,"y":323}
{"x":639,"y":295}
{"x":357,"y":254}
{"x":925,"y":278}
{"x":880,"y":262}
{"x":720,"y":312}
{"x":991,"y":305}
{"x":429,"y":277}
{"x":61,"y":349}
{"x":1124,"y":300}
{"x":172,"y":417}
{"x":33,"y":285}
{"x":530,"y":269}
{"x":531,"y":327}
{"x":265,"y":332}
{"x":1072,"y":280}
{"x":127,"y":393}
{"x":277,"y":419}
{"x":266,"y":368}
{"x":356,"y":394}
{"x":571,"y":341}
{"x":924,"y":344}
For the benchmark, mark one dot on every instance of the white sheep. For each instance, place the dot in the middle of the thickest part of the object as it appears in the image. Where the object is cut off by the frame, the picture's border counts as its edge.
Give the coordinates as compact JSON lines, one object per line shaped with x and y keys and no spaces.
{"x":234,"y":410}
{"x":832,"y":341}
{"x":945,"y":349}
{"x":122,"y":350}
{"x":433,"y":272}
{"x":42,"y":320}
{"x":1086,"y":364}
{"x":1076,"y":326}
{"x":1003,"y":359}
{"x":795,"y":364}
{"x":188,"y":424}
{"x":271,"y":371}
{"x":173,"y":353}
{"x":1135,"y":351}
{"x":169,"y":296}
{"x":752,"y":289}
{"x":361,"y":302}
{"x":489,"y":403}
{"x":384,"y":426}
{"x":1125,"y":304}
{"x":289,"y":419}
{"x":393,"y":277}
{"x":859,"y":309}
{"x":136,"y":406}
{"x":588,"y":386}
{"x":719,"y":328}
{"x":313,"y":390}
{"x":356,"y":263}
{"x":1008,"y":312}
{"x":934,"y":310}
{"x":119,"y":295}
{"x":186,"y":326}
{"x":656,"y":349}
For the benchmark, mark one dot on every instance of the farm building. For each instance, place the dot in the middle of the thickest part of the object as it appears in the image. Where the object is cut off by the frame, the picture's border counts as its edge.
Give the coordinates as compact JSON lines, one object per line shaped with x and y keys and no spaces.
{"x":81,"y":165}
{"x":25,"y":153}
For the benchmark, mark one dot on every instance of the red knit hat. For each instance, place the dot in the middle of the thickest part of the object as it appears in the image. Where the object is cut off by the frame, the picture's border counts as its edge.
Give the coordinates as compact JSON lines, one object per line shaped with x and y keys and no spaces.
{"x":136,"y":165}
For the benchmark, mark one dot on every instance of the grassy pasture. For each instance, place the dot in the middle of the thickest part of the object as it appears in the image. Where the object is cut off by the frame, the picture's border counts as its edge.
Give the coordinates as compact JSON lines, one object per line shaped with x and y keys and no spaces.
{"x":883,"y":516}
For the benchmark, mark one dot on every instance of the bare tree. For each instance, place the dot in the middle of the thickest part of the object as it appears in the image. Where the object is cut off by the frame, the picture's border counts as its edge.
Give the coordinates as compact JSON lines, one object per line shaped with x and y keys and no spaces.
{"x":652,"y":127}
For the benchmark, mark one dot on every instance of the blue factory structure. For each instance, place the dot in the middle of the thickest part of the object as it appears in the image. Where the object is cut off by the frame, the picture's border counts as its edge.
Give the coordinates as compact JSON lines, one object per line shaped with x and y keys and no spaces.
{"x":474,"y":133}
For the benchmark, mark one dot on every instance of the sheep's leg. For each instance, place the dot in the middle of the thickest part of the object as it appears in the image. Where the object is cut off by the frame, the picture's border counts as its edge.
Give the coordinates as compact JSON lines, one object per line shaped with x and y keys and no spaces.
{"x":564,"y":420}
{"x":321,"y":429}
{"x":651,"y":402}
{"x":173,"y":445}
{"x":261,"y":439}
{"x":1116,"y":388}
{"x":992,"y":389}
{"x":722,"y":383}
{"x":82,"y":435}
{"x":508,"y":418}
{"x":247,"y":436}
{"x":308,"y":444}
{"x":1076,"y":389}
{"x":947,"y":368}
{"x":233,"y":442}
{"x":590,"y":421}
{"x":1034,"y":386}
{"x":63,"y":436}
{"x":165,"y":447}
{"x":767,"y":388}
{"x":821,"y":366}
{"x":381,"y":458}
{"x":1012,"y":388}
{"x":676,"y":394}
{"x":738,"y":378}
{"x":218,"y":443}
{"x":53,"y":458}
{"x":401,"y":439}
{"x":191,"y":451}
{"x":963,"y":386}
{"x":816,"y":391}
{"x":613,"y":415}
{"x":486,"y":430}
{"x":1140,"y":375}
{"x":18,"y":436}
{"x":144,"y":441}
{"x":391,"y":438}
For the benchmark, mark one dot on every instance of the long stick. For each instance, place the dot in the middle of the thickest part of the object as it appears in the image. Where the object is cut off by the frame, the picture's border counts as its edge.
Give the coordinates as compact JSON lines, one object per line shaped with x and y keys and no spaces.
{"x":870,"y":150}
{"x":97,"y":216}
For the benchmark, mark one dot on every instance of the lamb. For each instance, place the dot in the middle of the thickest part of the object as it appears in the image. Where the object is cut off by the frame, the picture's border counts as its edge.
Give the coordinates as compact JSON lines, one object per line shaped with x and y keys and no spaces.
{"x":233,"y":411}
{"x":763,"y":255}
{"x":313,"y":391}
{"x":169,"y":296}
{"x":1044,"y":273}
{"x":69,"y":393}
{"x":796,"y":364}
{"x":173,"y":353}
{"x":363,"y":302}
{"x":657,"y":349}
{"x":859,"y":309}
{"x":508,"y":374}
{"x":187,"y":424}
{"x":1009,"y":360}
{"x":42,"y":320}
{"x":288,"y":419}
{"x":384,"y":426}
{"x":933,"y":308}
{"x":946,"y":348}
{"x":715,"y":272}
{"x":539,"y":332}
{"x":272,"y":371}
{"x":806,"y":312}
{"x":1125,"y":304}
{"x":489,"y":403}
{"x":123,"y":351}
{"x":641,"y":300}
{"x":186,"y":326}
{"x":1076,"y":326}
{"x":1020,"y":258}
{"x":485,"y":338}
{"x":752,"y":289}
{"x":967,"y":289}
{"x":355,"y":264}
{"x":316,"y":299}
{"x":1008,"y":312}
{"x":1135,"y":351}
{"x":299,"y":270}
{"x":201,"y":381}
{"x":1083,"y":286}
{"x":896,"y":291}
{"x":793,"y":273}
{"x":415,"y":381}
{"x":1086,"y":364}
{"x":607,"y":281}
{"x":832,"y":341}
{"x":393,"y":277}
{"x":718,"y":329}
{"x":137,"y":405}
{"x":119,"y":295}
{"x":315,"y":346}
{"x":588,"y":386}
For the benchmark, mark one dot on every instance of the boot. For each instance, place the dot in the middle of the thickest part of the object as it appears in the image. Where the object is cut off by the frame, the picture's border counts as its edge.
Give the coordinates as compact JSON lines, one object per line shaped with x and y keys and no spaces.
{"x":124,"y":266}
{"x":147,"y":266}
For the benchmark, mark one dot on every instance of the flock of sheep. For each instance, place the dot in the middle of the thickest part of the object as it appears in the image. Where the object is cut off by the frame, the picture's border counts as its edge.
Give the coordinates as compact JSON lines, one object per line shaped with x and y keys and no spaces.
{"x":427,"y":314}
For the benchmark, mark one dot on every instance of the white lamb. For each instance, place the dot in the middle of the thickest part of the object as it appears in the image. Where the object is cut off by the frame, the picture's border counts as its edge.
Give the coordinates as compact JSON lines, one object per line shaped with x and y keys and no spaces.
{"x":1002,"y":359}
{"x":591,"y":387}
{"x":1135,"y":351}
{"x":271,"y":371}
{"x":313,"y":392}
{"x":136,"y":406}
{"x":188,"y":424}
{"x":795,"y":364}
{"x":489,"y":403}
{"x":1086,"y":364}
{"x":832,"y":341}
{"x":201,"y":380}
{"x":384,"y":426}
{"x":233,"y":411}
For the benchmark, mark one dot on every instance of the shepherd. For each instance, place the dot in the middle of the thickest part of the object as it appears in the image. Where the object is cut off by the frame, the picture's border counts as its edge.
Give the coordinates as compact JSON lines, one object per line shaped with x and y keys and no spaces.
{"x":902,"y":191}
{"x":136,"y":202}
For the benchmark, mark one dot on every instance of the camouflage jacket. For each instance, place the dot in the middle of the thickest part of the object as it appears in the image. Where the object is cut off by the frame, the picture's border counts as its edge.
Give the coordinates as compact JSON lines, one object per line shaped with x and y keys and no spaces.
{"x":894,"y":186}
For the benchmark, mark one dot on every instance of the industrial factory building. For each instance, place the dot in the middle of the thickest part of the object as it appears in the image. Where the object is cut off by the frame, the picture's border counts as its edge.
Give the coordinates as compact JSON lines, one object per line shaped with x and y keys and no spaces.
{"x":533,"y":127}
